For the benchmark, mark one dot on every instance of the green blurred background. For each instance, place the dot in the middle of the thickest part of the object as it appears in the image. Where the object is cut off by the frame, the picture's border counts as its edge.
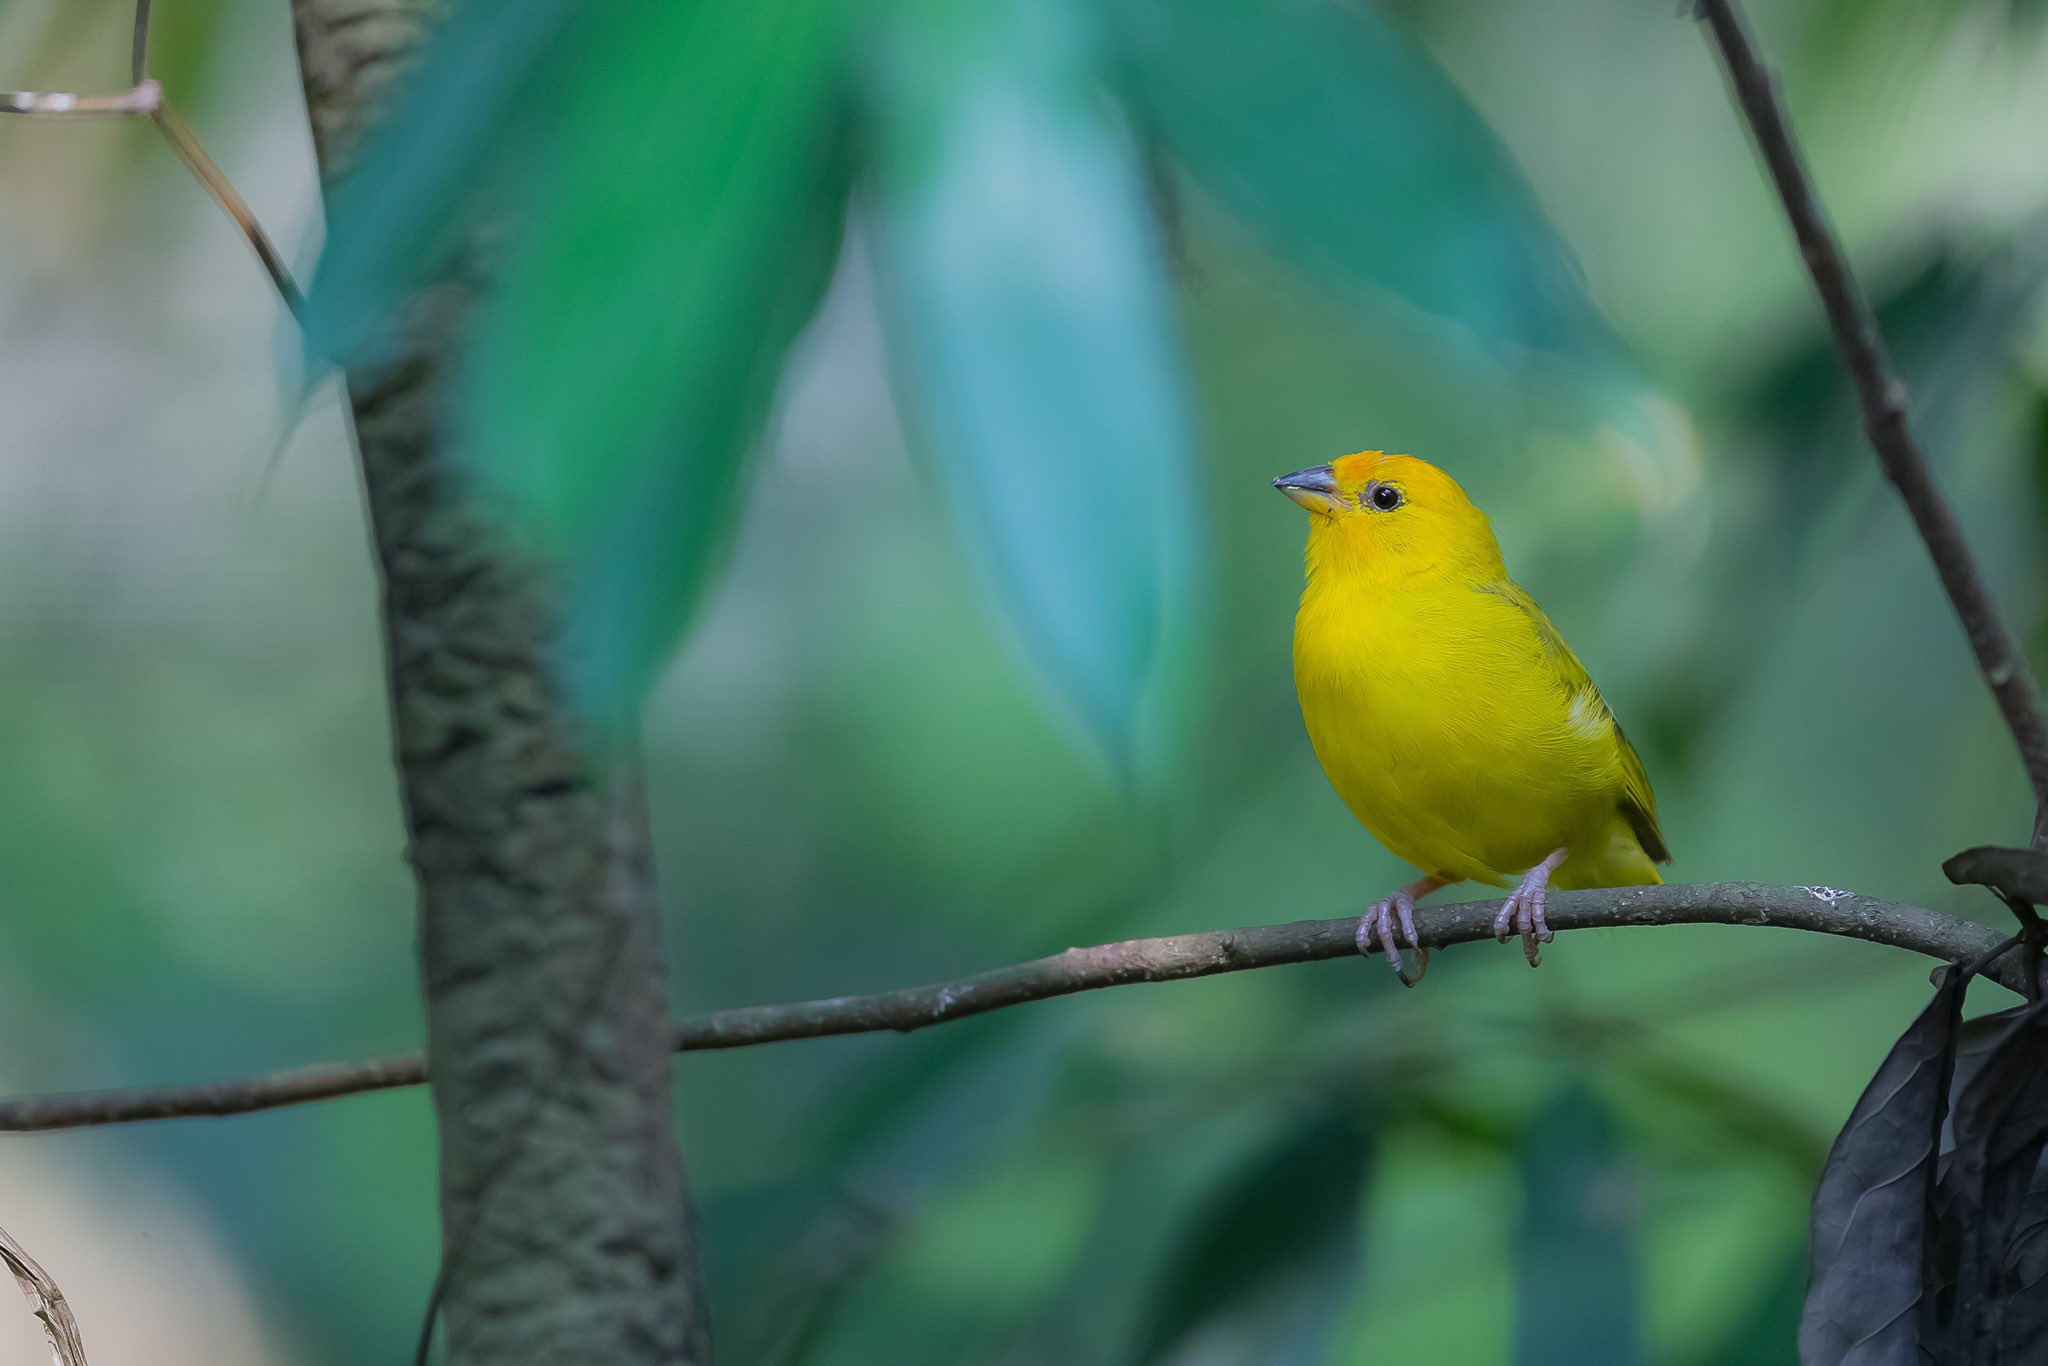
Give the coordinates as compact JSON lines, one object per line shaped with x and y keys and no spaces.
{"x":861,"y":782}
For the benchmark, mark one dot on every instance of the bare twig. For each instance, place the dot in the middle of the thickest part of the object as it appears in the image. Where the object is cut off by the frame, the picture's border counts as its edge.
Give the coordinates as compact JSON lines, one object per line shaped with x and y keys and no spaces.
{"x":186,"y":144}
{"x":1883,"y":397}
{"x":146,"y":98}
{"x":1821,"y":910}
{"x":46,"y":1302}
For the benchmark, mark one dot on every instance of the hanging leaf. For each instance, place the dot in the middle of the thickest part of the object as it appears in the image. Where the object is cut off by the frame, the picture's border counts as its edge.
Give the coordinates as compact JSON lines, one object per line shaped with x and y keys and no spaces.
{"x":1022,"y":285}
{"x":1577,"y":1298}
{"x":2023,"y":1336}
{"x":2001,"y":1129}
{"x":669,"y":184}
{"x":449,"y":133}
{"x":1873,"y":1215}
{"x":1339,"y":142}
{"x":1273,"y":1254}
{"x":629,"y":352}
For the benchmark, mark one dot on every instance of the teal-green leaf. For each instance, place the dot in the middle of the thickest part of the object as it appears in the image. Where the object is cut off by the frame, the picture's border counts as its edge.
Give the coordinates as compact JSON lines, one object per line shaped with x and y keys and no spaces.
{"x":1023,"y":291}
{"x":464,"y":119}
{"x":1342,"y":146}
{"x":1578,"y":1297}
{"x":686,"y":223}
{"x":1267,"y":1263}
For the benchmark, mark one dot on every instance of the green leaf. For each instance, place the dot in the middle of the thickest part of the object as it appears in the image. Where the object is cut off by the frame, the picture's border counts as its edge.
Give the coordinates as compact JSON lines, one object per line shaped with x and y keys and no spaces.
{"x":1341,"y":145}
{"x":1269,"y":1260}
{"x":447,"y":138}
{"x":1023,"y":287}
{"x":684,"y":230}
{"x":1578,"y":1298}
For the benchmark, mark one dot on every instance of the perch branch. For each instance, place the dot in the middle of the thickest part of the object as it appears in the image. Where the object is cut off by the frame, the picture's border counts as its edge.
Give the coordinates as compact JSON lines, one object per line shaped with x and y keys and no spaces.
{"x":1821,"y":910}
{"x":1883,"y":398}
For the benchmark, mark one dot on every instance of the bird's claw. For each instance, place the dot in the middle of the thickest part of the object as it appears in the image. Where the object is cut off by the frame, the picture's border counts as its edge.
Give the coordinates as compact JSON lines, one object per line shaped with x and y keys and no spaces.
{"x":1378,"y":925}
{"x":1522,"y":912}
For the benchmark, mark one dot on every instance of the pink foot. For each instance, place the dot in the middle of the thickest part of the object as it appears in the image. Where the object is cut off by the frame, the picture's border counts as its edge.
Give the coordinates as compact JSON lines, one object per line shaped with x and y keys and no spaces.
{"x":1522,"y":912}
{"x":1377,"y":925}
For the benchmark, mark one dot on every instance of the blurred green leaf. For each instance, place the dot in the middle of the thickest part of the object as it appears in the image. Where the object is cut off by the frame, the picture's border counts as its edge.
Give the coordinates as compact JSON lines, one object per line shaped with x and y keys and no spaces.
{"x":685,"y":228}
{"x":778,"y":1259}
{"x":1270,"y":1258}
{"x":1578,"y":1295}
{"x":1732,"y":1119}
{"x":1952,"y":313}
{"x":1343,"y":146}
{"x":1024,"y":291}
{"x":471,"y":106}
{"x":675,"y":182}
{"x":1766,"y":1333}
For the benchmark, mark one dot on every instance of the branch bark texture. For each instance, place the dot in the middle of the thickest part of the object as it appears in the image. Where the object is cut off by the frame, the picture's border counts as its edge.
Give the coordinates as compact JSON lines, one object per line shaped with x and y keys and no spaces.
{"x":1819,"y":910}
{"x":565,"y":1230}
{"x":1883,"y":398}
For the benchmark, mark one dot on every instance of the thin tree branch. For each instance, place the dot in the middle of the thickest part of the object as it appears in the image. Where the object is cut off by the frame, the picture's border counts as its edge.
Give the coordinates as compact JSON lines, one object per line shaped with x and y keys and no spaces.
{"x":1820,"y":910}
{"x":1883,"y":397}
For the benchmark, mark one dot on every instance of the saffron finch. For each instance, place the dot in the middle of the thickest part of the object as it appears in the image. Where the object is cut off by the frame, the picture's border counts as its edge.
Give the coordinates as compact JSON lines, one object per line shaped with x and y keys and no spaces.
{"x":1448,"y":712}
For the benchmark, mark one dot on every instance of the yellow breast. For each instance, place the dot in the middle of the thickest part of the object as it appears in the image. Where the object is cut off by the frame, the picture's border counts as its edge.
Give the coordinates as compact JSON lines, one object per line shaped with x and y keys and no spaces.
{"x":1465,"y":738}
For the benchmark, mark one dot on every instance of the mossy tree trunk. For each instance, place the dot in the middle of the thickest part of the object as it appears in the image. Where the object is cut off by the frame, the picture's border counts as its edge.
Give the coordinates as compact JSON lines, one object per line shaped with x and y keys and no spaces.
{"x":565,"y":1227}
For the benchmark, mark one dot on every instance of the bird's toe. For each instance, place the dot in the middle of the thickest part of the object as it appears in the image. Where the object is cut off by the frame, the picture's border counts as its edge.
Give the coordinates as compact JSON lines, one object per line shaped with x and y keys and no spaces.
{"x":1376,"y":928}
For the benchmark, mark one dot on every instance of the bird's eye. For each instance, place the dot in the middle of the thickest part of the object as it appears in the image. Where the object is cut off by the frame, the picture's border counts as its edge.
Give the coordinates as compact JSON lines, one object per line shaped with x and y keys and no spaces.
{"x":1384,"y":497}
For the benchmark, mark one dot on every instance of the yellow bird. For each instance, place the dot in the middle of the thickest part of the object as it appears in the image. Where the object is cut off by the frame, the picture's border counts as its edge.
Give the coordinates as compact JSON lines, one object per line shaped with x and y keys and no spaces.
{"x":1448,"y":712}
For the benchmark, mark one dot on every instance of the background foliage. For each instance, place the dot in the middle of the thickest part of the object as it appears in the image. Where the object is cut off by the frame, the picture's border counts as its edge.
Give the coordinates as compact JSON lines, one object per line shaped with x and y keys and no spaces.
{"x":989,"y":652}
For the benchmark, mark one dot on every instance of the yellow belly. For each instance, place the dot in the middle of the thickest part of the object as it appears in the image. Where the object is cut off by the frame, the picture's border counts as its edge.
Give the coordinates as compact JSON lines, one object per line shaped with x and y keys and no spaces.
{"x":1456,"y":742}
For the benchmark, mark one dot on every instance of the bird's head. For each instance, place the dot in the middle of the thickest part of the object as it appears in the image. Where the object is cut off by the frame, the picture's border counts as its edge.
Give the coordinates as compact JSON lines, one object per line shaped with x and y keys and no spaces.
{"x":1392,"y":513}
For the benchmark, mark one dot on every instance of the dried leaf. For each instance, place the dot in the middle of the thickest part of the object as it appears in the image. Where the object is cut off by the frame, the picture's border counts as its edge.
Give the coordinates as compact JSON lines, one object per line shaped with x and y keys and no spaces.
{"x":46,"y":1302}
{"x":2001,"y":1129}
{"x":2021,"y":874}
{"x":1873,"y":1213}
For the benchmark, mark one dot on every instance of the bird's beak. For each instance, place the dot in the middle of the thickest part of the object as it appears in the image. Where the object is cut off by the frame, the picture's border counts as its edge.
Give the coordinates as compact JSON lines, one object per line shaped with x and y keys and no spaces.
{"x":1315,"y":488}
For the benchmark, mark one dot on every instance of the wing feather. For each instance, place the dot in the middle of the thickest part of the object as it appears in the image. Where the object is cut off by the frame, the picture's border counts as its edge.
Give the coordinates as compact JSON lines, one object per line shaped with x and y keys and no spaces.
{"x":1638,"y":803}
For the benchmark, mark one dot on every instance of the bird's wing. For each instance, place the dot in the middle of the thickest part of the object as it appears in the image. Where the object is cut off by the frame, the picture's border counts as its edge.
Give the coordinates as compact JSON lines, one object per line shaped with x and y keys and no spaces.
{"x":1638,"y":802}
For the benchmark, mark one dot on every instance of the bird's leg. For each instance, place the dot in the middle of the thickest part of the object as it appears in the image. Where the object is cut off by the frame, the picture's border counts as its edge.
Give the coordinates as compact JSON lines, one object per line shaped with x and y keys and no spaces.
{"x":1378,"y":924}
{"x":1522,"y":912}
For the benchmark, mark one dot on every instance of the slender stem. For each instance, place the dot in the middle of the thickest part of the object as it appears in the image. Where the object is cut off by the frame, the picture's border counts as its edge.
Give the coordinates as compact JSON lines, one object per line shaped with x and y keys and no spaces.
{"x":1820,"y":910}
{"x":1883,"y":398}
{"x":207,"y":172}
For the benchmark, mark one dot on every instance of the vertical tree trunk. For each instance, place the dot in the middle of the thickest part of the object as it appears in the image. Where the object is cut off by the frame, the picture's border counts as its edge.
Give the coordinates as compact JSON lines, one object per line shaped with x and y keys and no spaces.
{"x":565,"y":1229}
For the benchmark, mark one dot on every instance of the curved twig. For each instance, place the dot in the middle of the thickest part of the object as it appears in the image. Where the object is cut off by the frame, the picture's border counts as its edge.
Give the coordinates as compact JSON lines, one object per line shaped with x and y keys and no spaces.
{"x":1821,"y":910}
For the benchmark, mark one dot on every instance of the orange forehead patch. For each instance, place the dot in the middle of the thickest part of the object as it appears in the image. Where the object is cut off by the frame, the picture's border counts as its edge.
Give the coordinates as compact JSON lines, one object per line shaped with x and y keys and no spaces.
{"x":1415,"y":475}
{"x":1357,"y":469}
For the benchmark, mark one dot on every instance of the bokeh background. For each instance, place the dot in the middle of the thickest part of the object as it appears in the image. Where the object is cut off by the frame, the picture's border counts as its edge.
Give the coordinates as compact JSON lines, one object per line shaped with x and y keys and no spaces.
{"x":863,"y":777}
